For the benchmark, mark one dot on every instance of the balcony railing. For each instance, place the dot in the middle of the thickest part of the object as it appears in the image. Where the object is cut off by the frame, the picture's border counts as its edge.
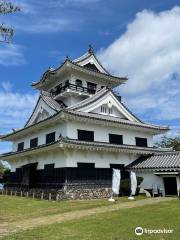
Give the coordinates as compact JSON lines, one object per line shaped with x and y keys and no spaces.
{"x":60,"y":89}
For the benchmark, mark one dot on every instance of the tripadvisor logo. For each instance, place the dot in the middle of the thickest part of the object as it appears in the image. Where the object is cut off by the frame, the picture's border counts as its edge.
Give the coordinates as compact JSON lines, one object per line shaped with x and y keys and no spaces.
{"x":139,"y":231}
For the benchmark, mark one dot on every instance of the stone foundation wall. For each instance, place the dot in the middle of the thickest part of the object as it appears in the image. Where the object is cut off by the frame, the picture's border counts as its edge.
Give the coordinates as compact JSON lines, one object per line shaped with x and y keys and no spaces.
{"x":55,"y":194}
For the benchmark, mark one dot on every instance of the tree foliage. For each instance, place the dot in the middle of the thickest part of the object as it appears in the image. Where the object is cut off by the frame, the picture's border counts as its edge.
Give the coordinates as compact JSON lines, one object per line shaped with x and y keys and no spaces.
{"x":6,"y":32}
{"x":167,"y":142}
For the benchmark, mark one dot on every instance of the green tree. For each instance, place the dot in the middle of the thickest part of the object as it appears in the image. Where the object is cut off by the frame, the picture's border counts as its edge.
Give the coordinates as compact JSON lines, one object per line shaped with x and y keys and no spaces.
{"x":6,"y":32}
{"x":1,"y":173}
{"x":167,"y":142}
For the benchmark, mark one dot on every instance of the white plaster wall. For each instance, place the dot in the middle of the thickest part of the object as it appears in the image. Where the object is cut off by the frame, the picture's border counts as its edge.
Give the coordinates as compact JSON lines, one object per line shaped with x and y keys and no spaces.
{"x":70,"y":158}
{"x":69,"y":129}
{"x":101,"y":133}
{"x":101,"y":159}
{"x":72,"y":100}
{"x":150,"y":180}
{"x":59,"y":129}
{"x":58,"y":157}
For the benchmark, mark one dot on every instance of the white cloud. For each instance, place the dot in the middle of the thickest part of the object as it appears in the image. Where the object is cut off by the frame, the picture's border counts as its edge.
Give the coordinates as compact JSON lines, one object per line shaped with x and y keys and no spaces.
{"x":157,"y":104}
{"x":15,"y":108}
{"x":7,"y":86}
{"x":11,"y":55}
{"x":45,"y":17}
{"x":149,"y":50}
{"x":47,"y":25}
{"x":149,"y":53}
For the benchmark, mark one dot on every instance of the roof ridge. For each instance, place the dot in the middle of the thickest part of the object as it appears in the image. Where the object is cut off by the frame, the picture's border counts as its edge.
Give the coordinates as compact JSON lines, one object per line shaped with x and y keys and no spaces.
{"x":84,"y":56}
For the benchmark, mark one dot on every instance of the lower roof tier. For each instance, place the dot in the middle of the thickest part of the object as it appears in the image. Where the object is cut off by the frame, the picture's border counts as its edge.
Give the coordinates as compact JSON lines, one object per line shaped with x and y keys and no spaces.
{"x":166,"y":160}
{"x":66,"y":143}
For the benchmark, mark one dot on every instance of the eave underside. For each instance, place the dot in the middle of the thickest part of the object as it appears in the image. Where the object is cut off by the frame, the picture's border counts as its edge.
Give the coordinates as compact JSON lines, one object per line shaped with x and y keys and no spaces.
{"x":80,"y":145}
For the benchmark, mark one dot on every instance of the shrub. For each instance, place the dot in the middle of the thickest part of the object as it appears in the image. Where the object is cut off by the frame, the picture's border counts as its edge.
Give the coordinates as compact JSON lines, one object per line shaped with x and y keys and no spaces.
{"x":125,"y":186}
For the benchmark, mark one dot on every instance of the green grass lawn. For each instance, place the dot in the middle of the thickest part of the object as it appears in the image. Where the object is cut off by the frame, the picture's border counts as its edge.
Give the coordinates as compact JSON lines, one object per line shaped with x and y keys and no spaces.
{"x":18,"y":208}
{"x":118,"y":225}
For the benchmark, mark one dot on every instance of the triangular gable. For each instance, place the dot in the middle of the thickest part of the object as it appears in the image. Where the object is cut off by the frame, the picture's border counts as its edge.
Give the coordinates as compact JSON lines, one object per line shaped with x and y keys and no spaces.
{"x":107,"y":104}
{"x":41,"y":111}
{"x":89,"y":60}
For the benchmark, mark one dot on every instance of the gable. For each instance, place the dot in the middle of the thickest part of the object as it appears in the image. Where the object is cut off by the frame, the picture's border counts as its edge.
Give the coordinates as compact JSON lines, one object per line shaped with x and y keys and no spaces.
{"x":105,"y":110}
{"x":91,"y":62}
{"x":91,"y":66}
{"x":108,"y":104}
{"x":41,"y":112}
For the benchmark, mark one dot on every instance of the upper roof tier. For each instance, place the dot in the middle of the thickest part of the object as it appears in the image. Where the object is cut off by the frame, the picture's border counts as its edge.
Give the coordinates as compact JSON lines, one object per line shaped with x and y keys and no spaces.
{"x":86,"y":66}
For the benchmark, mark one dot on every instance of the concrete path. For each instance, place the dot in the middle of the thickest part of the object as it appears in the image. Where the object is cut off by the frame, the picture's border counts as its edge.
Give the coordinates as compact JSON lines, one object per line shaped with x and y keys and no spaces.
{"x":10,"y":228}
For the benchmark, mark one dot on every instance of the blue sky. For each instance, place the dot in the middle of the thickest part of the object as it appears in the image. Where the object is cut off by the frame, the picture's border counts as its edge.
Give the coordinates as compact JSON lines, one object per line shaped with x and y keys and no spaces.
{"x":140,"y":39}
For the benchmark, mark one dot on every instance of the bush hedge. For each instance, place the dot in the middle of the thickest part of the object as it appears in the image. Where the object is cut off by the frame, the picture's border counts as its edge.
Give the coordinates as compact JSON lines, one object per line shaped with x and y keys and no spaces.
{"x":125,"y":186}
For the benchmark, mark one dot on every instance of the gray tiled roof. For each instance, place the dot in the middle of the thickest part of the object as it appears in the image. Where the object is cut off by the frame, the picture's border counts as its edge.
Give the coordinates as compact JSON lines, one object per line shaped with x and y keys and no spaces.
{"x":56,"y":105}
{"x":112,"y":119}
{"x":158,"y":161}
{"x":46,"y":97}
{"x":97,"y":96}
{"x":49,"y":72}
{"x":145,"y":150}
{"x":90,"y":100}
{"x":88,"y":145}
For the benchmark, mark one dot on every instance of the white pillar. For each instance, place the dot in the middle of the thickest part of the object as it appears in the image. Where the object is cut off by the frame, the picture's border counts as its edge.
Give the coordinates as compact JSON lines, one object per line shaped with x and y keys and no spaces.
{"x":178,"y":185}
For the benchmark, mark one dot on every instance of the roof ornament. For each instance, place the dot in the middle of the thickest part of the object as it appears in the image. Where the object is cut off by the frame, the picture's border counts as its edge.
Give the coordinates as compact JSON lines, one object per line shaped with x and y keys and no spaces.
{"x":51,"y":68}
{"x":91,"y":50}
{"x":66,"y":59}
{"x":109,"y":104}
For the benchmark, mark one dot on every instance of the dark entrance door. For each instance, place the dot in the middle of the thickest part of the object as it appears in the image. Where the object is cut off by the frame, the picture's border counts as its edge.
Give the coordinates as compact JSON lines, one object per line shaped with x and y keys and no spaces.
{"x":170,"y":185}
{"x":28,"y":175}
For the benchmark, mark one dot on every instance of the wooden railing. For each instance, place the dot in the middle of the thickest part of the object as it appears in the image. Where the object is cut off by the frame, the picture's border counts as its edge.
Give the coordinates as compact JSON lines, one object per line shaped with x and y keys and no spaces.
{"x":73,"y":87}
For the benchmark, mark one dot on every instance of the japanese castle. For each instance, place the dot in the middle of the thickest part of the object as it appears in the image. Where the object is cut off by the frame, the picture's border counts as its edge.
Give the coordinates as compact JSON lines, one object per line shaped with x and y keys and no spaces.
{"x":80,"y":129}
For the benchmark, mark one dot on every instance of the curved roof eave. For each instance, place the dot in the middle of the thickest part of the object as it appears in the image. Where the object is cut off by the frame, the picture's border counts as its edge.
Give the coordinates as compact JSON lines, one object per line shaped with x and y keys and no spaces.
{"x":93,"y":117}
{"x":51,"y":105}
{"x":53,"y":72}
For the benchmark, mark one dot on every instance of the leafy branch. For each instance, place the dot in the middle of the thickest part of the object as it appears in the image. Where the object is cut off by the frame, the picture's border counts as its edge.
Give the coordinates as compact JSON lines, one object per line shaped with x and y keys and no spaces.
{"x":6,"y":32}
{"x":167,"y":142}
{"x":8,"y":7}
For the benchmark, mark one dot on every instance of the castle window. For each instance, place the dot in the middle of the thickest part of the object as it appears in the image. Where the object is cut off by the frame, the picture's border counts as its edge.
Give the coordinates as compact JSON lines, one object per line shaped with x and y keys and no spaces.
{"x":103,"y":109}
{"x":86,"y":165}
{"x":50,"y":137}
{"x":110,"y":110}
{"x":66,"y":83}
{"x":115,"y":139}
{"x":84,"y":135}
{"x":33,"y":142}
{"x":78,"y":82}
{"x":20,"y":146}
{"x":141,"y":142}
{"x":91,"y":87}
